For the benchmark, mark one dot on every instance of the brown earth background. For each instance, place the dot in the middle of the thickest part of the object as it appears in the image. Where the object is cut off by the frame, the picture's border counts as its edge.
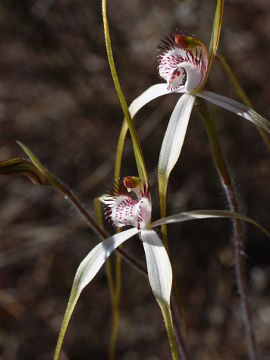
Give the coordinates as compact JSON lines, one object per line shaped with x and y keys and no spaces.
{"x":57,"y":97}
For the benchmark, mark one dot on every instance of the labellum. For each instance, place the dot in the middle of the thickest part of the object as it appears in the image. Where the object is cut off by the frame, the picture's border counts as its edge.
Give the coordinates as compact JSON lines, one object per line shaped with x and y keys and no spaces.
{"x":128,"y":203}
{"x":183,"y":62}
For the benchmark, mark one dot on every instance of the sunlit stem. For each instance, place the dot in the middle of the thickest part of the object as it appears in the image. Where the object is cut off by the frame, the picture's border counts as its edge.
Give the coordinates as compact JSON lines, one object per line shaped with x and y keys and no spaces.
{"x":114,"y":289}
{"x":238,"y":240}
{"x":136,"y":145}
{"x":116,"y":307}
{"x":69,"y":310}
{"x":118,"y":267}
{"x":216,"y":29}
{"x":119,"y":151}
{"x":177,"y":303}
{"x":99,"y":217}
{"x":241,"y":93}
{"x":167,"y":316}
{"x":163,"y":188}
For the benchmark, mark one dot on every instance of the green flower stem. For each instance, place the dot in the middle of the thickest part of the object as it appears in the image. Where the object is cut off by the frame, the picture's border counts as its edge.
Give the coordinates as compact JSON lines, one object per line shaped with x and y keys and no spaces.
{"x":119,"y":150}
{"x":116,"y":307}
{"x":99,"y":217}
{"x":163,"y":190}
{"x":118,"y":265}
{"x":177,"y":304}
{"x":238,"y":240}
{"x":136,"y":145}
{"x":114,"y":290}
{"x":216,"y":29}
{"x":167,"y":316}
{"x":241,"y":93}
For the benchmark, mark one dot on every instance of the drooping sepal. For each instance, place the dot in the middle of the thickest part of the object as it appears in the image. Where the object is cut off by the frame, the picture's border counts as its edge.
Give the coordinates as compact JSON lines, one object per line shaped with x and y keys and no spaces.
{"x":87,"y":270}
{"x":158,"y":266}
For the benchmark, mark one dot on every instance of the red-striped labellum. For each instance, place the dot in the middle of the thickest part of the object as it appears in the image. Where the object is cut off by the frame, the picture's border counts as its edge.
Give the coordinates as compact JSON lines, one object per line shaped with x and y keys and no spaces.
{"x":129,"y":203}
{"x":183,"y":62}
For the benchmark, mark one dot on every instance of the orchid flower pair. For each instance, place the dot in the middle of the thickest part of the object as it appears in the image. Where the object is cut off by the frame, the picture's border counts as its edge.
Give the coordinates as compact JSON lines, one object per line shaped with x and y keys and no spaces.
{"x":184,"y":64}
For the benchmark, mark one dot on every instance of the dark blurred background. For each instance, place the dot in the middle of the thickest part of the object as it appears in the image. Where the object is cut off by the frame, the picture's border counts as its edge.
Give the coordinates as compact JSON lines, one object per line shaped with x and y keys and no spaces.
{"x":57,"y":97}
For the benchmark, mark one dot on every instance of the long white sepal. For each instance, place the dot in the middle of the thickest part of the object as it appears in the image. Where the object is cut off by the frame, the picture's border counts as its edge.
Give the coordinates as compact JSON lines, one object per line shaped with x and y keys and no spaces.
{"x":147,"y":96}
{"x":175,"y":135}
{"x":97,"y":257}
{"x":86,"y":272}
{"x":158,"y":266}
{"x":193,"y":215}
{"x":237,"y":108}
{"x":207,"y":214}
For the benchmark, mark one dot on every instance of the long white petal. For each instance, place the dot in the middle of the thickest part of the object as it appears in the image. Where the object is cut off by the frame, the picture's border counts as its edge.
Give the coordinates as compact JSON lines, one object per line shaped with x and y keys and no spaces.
{"x":193,"y":215}
{"x":208,"y":214}
{"x":148,"y":95}
{"x":158,"y":266}
{"x":237,"y":108}
{"x":86,"y":272}
{"x":97,"y":256}
{"x":175,"y":135}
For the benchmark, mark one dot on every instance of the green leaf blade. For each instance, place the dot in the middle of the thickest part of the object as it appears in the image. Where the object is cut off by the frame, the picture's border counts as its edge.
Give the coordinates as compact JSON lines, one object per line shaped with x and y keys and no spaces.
{"x":22,"y":167}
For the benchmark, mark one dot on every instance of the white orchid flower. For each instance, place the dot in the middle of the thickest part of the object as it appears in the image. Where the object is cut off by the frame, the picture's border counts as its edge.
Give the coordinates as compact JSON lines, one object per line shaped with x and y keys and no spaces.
{"x":129,"y":204}
{"x":183,"y":64}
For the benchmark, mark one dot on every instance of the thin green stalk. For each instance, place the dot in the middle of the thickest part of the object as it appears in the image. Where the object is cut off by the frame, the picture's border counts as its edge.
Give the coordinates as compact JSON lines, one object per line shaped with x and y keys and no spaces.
{"x":238,"y":238}
{"x":163,"y":190}
{"x":108,"y":267}
{"x":115,"y":288}
{"x":241,"y":93}
{"x":167,"y":316}
{"x":136,"y":145}
{"x":119,"y":150}
{"x":216,"y":29}
{"x":118,"y":265}
{"x":116,"y":307}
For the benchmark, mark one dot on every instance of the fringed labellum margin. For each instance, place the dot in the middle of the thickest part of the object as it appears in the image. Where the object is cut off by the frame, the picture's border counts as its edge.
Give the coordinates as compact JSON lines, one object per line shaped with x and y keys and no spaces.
{"x":183,"y":62}
{"x":129,"y":204}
